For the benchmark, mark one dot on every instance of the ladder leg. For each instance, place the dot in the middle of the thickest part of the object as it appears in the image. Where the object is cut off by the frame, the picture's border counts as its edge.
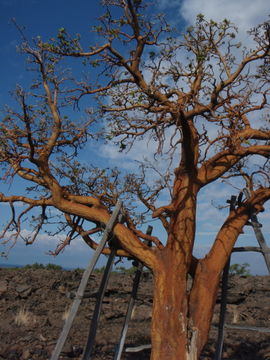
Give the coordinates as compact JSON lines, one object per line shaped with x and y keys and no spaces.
{"x":131,"y":303}
{"x":94,"y":323}
{"x":222,"y":314}
{"x":88,"y":271}
{"x":260,"y":238}
{"x":136,"y":281}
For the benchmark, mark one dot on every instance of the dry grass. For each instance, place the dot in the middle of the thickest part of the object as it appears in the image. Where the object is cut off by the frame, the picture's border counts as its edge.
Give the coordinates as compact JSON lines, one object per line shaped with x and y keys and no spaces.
{"x":133,"y":313}
{"x":24,"y":317}
{"x":66,"y":314}
{"x":236,"y":315}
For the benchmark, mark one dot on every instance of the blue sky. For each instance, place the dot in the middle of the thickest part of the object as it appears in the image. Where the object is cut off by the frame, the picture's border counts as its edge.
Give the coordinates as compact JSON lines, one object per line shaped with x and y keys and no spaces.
{"x":44,"y":18}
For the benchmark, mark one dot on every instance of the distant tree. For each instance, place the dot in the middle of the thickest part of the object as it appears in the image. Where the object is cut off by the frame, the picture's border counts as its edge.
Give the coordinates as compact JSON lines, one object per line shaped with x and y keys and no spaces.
{"x":240,"y":269}
{"x":35,"y":266}
{"x":53,"y":267}
{"x":124,"y":270}
{"x":100,"y":270}
{"x":202,"y":101}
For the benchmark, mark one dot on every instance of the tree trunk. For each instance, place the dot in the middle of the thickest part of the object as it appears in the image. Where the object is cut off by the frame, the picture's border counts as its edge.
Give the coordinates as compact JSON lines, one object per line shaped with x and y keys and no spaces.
{"x":179,"y":331}
{"x":169,"y":317}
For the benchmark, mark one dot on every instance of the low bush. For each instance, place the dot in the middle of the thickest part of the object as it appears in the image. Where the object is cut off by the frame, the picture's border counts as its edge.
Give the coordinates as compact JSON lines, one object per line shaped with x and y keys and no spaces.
{"x":37,"y":266}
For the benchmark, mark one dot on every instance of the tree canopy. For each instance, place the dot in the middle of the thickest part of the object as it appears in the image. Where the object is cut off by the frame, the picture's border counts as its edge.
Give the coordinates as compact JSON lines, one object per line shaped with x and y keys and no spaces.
{"x":199,"y":97}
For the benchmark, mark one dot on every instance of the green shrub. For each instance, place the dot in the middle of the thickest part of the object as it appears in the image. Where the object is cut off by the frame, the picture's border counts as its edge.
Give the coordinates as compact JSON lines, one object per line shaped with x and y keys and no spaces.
{"x":37,"y":266}
{"x":240,"y":269}
{"x":53,"y":267}
{"x":124,"y":270}
{"x":100,"y":270}
{"x":34,"y":266}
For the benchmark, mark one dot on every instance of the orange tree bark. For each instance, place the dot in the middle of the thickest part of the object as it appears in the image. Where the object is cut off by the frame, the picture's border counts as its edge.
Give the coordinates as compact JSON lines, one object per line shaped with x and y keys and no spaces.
{"x":170,"y":308}
{"x":181,"y":317}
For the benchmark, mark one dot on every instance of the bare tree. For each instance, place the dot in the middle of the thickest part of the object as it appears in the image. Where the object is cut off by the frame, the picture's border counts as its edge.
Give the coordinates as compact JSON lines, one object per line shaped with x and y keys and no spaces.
{"x":200,"y":97}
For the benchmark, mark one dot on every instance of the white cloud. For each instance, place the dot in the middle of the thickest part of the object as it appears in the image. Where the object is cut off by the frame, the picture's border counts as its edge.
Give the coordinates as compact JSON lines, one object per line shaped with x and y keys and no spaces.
{"x":77,"y":254}
{"x":44,"y":238}
{"x":244,"y":13}
{"x":141,"y":150}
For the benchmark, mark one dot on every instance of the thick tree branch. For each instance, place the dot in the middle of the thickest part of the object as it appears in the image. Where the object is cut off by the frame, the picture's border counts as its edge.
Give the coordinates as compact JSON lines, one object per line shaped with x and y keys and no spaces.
{"x":222,"y":162}
{"x":232,"y":227}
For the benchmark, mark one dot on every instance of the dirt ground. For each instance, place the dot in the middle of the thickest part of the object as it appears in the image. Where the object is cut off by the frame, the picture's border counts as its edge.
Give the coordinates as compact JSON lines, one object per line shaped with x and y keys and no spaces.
{"x":34,"y":304}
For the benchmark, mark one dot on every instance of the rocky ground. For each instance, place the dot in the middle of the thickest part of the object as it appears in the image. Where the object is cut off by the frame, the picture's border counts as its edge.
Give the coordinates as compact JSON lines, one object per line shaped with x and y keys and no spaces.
{"x":34,"y":304}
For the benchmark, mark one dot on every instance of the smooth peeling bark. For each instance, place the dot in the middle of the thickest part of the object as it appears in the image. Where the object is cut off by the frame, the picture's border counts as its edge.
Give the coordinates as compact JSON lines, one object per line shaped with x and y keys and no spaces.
{"x":169,"y":316}
{"x":172,"y":339}
{"x":201,"y":306}
{"x":181,"y":322}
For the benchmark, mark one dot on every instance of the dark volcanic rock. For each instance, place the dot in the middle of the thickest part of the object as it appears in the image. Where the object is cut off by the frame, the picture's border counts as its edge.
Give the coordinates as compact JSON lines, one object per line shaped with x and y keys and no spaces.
{"x":34,"y":304}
